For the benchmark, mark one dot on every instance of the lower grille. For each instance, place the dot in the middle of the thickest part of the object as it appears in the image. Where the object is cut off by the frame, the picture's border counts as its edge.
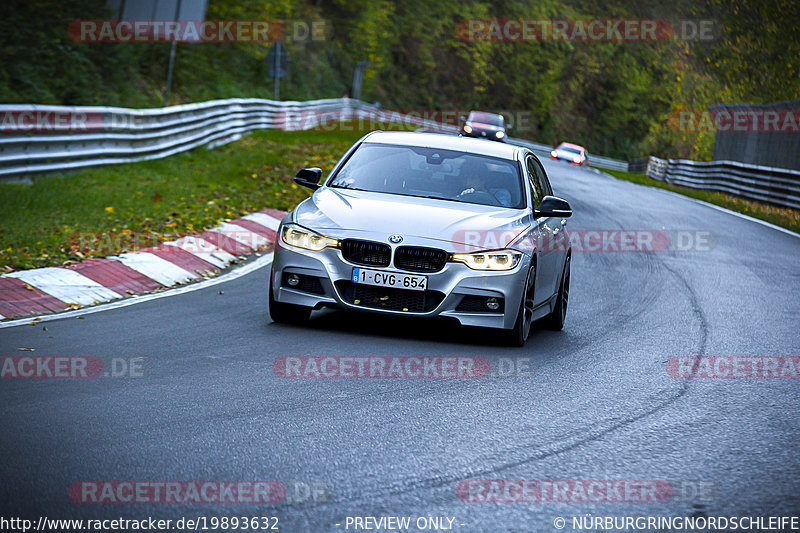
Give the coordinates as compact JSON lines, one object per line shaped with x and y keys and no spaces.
{"x":307,"y":284}
{"x":366,"y":252}
{"x":389,"y":298}
{"x":477,"y":304}
{"x":418,"y":259}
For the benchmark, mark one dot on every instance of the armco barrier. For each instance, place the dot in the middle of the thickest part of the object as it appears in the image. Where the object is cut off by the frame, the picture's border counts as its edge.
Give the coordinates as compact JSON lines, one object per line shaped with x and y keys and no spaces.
{"x":39,"y":138}
{"x":766,"y":184}
{"x":36,"y":139}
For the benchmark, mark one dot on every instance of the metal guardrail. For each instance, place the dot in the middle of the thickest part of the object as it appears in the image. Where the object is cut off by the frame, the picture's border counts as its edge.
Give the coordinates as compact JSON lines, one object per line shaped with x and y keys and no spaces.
{"x":54,"y":138}
{"x":777,"y":186}
{"x":536,"y":148}
{"x":37,"y":139}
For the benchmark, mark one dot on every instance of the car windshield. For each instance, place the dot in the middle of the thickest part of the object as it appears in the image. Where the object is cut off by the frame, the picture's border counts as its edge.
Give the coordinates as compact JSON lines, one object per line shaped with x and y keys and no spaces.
{"x":432,"y":173}
{"x":486,"y":118}
{"x":570,"y":149}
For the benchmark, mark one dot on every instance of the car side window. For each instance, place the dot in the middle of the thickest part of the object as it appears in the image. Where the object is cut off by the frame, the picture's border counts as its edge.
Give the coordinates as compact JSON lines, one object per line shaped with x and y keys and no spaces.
{"x":541,"y":176}
{"x":536,"y":188}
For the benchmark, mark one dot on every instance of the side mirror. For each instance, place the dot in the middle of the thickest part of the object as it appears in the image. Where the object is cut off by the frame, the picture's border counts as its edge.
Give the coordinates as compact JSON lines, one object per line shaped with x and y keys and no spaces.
{"x":463,"y":118}
{"x":552,"y":206}
{"x":309,"y":177}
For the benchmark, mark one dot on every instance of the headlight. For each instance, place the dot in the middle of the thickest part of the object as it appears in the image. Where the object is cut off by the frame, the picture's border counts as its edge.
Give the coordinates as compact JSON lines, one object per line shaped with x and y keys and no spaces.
{"x":499,"y":260}
{"x":467,"y":129}
{"x":577,"y":159}
{"x":553,"y":154}
{"x":300,"y":237}
{"x":500,"y":134}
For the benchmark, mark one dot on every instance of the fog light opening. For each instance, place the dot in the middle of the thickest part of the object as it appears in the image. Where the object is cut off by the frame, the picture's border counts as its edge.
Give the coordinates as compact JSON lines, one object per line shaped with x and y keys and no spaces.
{"x":293,"y":280}
{"x":492,"y":304}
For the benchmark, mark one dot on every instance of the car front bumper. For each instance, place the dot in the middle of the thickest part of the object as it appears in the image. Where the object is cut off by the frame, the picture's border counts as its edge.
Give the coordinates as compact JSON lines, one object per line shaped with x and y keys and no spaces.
{"x":490,"y":135}
{"x":445,"y":294}
{"x":569,"y":160}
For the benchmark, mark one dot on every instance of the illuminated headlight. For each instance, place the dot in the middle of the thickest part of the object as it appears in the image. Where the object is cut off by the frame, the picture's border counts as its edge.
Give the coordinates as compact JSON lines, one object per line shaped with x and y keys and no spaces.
{"x":577,"y":159}
{"x":500,"y":134}
{"x":500,"y":260}
{"x":467,"y":128}
{"x":303,"y":238}
{"x":553,"y":154}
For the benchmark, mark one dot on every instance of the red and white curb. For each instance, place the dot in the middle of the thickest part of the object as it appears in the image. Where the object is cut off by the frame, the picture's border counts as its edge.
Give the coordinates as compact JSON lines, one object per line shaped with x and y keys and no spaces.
{"x":52,"y":289}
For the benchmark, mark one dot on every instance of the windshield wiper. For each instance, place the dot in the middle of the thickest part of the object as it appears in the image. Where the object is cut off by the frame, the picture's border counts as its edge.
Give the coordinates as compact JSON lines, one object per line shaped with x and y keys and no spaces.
{"x":349,"y":188}
{"x":429,"y":197}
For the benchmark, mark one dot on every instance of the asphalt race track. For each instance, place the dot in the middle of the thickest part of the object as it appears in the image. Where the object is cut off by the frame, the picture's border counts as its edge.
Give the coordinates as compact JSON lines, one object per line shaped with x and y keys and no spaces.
{"x":600,"y":404}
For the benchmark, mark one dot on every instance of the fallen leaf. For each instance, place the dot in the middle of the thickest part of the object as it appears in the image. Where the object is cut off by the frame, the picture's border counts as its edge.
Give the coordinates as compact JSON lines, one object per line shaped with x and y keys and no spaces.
{"x":26,"y":349}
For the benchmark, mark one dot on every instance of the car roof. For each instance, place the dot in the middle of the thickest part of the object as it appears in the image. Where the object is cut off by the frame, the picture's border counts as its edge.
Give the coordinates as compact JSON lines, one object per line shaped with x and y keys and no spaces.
{"x":481,"y":115}
{"x":572,"y":146}
{"x":445,"y":142}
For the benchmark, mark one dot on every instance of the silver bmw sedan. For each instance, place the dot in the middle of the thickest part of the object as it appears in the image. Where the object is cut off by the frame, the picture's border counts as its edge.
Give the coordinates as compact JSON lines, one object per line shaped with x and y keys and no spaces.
{"x":427,"y":225}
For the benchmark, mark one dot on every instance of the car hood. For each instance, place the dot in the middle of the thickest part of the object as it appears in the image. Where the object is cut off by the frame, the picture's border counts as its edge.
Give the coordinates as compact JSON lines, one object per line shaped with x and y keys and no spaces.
{"x":370,"y":215}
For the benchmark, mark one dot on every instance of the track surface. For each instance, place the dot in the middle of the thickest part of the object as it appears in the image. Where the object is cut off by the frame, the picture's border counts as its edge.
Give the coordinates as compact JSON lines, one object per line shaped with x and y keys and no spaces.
{"x":599,"y":406}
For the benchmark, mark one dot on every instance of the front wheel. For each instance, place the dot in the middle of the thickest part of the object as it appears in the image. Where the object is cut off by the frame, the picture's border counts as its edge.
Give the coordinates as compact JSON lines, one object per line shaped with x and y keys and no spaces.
{"x":522,"y":327}
{"x":555,"y":320}
{"x":283,"y":313}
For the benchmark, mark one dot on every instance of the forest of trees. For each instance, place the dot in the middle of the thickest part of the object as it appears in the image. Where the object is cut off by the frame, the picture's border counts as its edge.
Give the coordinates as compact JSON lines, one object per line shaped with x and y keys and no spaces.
{"x":613,"y":97}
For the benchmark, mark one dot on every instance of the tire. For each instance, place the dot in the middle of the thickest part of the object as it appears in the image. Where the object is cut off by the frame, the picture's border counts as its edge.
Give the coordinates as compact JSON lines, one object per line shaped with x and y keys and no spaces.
{"x":555,"y":320}
{"x":524,"y":324}
{"x":283,"y":313}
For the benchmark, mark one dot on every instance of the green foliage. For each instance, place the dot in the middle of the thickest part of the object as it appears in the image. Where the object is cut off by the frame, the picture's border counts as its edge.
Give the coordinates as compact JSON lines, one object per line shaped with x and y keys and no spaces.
{"x":615,"y":98}
{"x":101,"y":211}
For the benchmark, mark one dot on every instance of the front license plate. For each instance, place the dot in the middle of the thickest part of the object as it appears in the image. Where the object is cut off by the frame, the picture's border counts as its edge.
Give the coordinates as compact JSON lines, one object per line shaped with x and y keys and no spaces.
{"x":379,"y":278}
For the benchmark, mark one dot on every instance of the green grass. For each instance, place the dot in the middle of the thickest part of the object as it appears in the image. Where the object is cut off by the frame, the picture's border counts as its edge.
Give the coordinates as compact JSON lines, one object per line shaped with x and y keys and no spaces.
{"x":105,"y":210}
{"x":780,"y":216}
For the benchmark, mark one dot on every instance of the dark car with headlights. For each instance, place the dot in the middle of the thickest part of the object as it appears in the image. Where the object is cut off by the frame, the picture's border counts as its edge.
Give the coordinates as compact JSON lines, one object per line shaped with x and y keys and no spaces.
{"x":483,"y":125}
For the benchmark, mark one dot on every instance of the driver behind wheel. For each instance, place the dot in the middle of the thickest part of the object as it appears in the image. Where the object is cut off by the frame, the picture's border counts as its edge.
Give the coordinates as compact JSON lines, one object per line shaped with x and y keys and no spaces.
{"x":476,"y":184}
